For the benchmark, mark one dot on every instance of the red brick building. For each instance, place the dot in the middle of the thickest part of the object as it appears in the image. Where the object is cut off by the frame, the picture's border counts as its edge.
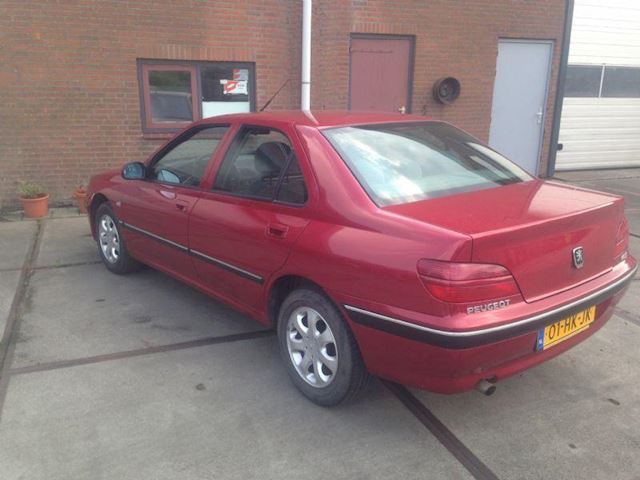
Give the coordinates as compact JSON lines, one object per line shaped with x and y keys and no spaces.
{"x":89,"y":84}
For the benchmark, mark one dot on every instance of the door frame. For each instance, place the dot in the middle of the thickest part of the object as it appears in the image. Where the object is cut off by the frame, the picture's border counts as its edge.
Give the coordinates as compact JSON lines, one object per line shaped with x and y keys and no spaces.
{"x":386,"y":36}
{"x":547,"y":83}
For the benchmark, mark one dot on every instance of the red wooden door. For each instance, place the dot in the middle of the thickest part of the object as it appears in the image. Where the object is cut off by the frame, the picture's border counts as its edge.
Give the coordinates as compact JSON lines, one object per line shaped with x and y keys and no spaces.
{"x":380,"y":74}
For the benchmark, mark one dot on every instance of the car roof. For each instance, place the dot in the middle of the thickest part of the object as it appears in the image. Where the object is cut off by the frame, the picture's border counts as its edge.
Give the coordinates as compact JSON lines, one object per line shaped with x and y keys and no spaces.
{"x":318,"y":119}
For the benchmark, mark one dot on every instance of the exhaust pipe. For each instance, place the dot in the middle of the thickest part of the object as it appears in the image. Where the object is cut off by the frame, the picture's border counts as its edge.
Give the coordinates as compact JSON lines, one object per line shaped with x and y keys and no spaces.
{"x":485,"y":387}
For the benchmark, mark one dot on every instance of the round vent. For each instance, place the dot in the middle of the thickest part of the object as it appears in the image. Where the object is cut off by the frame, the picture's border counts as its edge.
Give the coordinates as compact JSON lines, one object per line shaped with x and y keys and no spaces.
{"x":446,"y":90}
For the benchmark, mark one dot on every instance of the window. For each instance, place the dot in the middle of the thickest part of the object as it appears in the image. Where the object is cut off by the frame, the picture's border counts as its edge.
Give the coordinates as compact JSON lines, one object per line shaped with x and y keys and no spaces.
{"x":174,"y":94}
{"x":261,"y":164}
{"x":583,"y":81}
{"x":407,"y":162}
{"x":621,"y":82}
{"x":602,"y":81}
{"x":292,"y":188}
{"x":185,"y":163}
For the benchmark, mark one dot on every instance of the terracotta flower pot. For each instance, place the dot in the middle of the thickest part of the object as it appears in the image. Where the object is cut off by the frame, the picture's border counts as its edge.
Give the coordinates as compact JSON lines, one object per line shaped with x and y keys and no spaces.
{"x":81,"y":196}
{"x":35,"y":207}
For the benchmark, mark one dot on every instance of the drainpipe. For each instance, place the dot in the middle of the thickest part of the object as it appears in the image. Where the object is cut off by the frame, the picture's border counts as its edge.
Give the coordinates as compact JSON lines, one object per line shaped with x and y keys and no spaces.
{"x":305,"y":94}
{"x":562,"y":75}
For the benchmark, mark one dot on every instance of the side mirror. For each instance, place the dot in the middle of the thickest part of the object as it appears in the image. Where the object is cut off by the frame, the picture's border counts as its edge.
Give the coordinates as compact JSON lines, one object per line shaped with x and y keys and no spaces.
{"x":134,"y":171}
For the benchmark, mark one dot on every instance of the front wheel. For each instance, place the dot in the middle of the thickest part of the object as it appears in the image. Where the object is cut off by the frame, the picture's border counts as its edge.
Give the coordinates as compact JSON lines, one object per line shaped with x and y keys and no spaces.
{"x":113,"y":251}
{"x":319,"y":351}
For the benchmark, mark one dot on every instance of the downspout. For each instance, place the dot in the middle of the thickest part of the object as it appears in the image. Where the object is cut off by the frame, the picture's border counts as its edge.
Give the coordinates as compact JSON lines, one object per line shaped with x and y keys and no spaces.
{"x":305,"y":94}
{"x":562,"y":75}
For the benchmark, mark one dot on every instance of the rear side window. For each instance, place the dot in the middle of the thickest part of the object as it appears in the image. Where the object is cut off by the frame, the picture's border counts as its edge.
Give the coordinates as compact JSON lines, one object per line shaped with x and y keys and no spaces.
{"x":407,"y":162}
{"x":261,"y":164}
{"x":185,"y":163}
{"x":292,"y":188}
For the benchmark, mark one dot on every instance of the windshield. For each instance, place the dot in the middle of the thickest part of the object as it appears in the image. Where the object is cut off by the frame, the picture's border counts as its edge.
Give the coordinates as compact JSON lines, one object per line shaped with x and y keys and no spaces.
{"x":407,"y":162}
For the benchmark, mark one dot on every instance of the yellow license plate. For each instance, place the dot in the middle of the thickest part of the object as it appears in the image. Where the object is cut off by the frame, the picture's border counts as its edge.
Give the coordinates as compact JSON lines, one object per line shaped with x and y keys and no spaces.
{"x":564,"y":329}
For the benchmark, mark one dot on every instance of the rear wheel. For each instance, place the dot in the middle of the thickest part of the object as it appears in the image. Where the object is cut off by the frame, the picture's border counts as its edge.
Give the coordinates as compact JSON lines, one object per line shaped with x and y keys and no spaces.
{"x":110,"y":243}
{"x":319,"y":351}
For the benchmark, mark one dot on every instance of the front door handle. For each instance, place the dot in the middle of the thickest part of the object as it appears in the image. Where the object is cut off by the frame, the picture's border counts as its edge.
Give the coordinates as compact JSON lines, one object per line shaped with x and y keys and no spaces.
{"x":277,"y":230}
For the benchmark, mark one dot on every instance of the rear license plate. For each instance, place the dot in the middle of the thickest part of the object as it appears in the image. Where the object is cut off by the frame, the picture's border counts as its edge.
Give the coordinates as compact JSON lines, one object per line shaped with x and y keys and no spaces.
{"x":564,"y":329}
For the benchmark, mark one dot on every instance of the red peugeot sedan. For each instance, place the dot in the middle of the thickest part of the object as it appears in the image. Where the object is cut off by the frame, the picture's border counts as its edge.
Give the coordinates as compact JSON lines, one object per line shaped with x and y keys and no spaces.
{"x":382,"y":244}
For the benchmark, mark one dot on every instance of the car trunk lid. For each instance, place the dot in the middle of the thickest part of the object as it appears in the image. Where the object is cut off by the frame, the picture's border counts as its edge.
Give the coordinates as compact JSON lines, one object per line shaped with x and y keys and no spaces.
{"x":532,"y":228}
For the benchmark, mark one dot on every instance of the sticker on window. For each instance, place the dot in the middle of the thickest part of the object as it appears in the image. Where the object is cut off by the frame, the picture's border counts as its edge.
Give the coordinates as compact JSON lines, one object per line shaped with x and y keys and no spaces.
{"x":234,"y":87}
{"x":238,"y":85}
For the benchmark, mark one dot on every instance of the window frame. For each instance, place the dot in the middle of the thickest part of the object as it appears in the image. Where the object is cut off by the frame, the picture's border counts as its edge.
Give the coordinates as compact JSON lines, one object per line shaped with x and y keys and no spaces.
{"x":184,"y":137}
{"x":232,"y":149}
{"x":194,"y":67}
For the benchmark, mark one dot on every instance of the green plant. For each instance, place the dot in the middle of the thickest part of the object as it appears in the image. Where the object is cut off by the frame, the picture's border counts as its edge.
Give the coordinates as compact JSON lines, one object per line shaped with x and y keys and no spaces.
{"x":31,"y":190}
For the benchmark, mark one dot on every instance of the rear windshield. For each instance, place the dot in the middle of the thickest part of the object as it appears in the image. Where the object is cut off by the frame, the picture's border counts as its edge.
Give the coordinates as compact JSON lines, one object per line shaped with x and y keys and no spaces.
{"x":407,"y":162}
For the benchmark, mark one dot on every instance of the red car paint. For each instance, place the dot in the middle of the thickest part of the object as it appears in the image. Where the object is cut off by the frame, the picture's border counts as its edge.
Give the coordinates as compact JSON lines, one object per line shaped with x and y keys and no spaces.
{"x":365,"y":257}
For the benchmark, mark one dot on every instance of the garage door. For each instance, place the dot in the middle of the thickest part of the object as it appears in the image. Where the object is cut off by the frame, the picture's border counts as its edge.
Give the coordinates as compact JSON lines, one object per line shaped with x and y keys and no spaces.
{"x":600,"y":125}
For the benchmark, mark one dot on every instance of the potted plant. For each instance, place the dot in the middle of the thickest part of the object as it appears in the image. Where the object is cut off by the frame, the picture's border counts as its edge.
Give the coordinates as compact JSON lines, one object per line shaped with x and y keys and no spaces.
{"x":35,"y":202}
{"x":80,"y":194}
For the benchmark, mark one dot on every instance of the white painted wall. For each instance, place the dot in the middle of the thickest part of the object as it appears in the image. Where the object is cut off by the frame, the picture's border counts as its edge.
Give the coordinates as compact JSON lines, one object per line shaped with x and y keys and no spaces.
{"x":602,"y":132}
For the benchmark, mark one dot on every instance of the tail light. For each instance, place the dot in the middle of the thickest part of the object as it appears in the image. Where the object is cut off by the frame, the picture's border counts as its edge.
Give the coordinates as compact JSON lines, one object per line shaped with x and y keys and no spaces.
{"x":466,"y":282}
{"x":622,"y":241}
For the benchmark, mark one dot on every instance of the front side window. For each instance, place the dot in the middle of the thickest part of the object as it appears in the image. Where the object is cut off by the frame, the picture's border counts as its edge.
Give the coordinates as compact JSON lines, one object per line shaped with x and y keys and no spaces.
{"x":261,"y":164}
{"x":185,"y":163}
{"x":407,"y":162}
{"x":175,"y":94}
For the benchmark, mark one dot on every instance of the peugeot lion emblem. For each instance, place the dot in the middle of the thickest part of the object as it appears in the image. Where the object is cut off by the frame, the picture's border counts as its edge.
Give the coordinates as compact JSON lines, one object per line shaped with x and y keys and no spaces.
{"x":578,"y":257}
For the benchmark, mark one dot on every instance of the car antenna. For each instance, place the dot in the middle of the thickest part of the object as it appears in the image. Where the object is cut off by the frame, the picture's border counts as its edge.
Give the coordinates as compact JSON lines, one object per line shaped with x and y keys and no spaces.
{"x":274,"y":95}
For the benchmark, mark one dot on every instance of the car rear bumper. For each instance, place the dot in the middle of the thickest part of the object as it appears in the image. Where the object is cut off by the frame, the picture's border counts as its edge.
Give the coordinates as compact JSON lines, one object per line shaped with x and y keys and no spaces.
{"x":451,"y":361}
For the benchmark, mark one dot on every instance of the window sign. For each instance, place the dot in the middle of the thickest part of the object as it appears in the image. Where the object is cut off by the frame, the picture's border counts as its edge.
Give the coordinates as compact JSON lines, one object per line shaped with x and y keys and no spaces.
{"x":225,"y":89}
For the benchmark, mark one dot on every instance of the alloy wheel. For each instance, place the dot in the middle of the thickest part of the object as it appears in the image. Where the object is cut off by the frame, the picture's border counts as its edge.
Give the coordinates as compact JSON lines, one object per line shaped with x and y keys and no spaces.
{"x":312,"y":347}
{"x":109,"y":238}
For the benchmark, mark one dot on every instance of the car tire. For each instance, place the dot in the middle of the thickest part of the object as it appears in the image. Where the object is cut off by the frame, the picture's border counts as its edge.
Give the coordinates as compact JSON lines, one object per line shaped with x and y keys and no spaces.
{"x":111,"y":245}
{"x":318,"y":348}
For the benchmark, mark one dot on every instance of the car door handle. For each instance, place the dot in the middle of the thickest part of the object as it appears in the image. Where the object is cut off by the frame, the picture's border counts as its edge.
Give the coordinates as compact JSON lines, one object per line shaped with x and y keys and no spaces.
{"x":182,"y":205}
{"x":277,"y":230}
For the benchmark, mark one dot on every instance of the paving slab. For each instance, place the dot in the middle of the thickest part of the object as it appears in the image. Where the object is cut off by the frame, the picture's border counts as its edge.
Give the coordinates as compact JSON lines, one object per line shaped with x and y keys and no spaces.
{"x":8,"y":285}
{"x":574,"y":417}
{"x":65,"y":241}
{"x":225,"y":411}
{"x":586,"y":175}
{"x":630,"y":303}
{"x":74,"y":312}
{"x":634,"y":248}
{"x":15,"y":239}
{"x":54,"y":212}
{"x":633,"y":215}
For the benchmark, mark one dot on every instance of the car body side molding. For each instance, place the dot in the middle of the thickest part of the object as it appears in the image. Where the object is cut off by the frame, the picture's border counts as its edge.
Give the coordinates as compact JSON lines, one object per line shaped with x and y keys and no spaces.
{"x":153,"y":236}
{"x":194,"y":253}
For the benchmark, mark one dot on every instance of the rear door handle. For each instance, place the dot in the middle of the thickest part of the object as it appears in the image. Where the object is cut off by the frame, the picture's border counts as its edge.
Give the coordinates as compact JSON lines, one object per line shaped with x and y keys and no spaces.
{"x":182,"y":205}
{"x":277,"y":230}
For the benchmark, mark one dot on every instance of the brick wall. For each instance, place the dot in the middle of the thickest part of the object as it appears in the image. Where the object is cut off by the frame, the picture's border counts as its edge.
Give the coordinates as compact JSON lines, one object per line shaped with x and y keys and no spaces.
{"x":69,"y":98}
